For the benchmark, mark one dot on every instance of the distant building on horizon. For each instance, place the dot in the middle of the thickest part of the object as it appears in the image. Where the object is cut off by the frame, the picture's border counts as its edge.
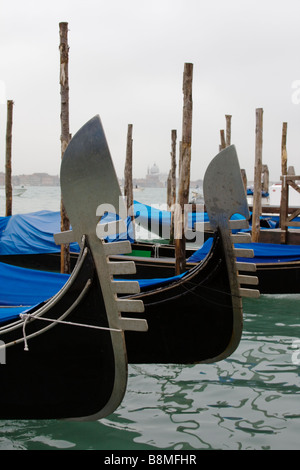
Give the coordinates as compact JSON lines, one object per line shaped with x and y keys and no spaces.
{"x":153,"y":177}
{"x":36,"y":179}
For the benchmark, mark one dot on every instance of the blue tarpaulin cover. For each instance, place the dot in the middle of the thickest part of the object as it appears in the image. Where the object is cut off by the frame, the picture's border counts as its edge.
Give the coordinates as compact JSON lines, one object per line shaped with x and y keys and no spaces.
{"x":156,"y":219}
{"x":22,"y":288}
{"x":11,"y":313}
{"x":144,"y":213}
{"x":30,"y":233}
{"x":263,"y":252}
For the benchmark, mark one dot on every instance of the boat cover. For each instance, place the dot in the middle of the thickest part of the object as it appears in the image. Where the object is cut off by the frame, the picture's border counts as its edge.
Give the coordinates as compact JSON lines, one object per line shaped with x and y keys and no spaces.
{"x":159,"y":217}
{"x":144,"y":213}
{"x":263,"y":252}
{"x":22,"y":288}
{"x":32,"y":233}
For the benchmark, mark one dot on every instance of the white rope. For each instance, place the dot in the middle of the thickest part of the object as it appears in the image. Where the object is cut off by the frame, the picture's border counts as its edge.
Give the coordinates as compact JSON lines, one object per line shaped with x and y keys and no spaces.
{"x":43,"y":310}
{"x":24,"y":333}
{"x":156,"y":250}
{"x":28,"y":316}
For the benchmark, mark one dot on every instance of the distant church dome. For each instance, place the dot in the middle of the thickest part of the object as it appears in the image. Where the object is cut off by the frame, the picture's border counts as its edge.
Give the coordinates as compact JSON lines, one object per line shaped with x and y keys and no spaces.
{"x":154,"y":170}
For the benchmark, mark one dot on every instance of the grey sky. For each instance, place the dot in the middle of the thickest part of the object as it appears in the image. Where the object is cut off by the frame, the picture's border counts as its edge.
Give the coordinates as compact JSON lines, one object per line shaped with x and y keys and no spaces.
{"x":126,"y":64}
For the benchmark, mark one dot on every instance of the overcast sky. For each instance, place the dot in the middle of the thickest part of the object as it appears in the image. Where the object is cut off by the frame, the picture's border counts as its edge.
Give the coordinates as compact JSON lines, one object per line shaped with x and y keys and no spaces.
{"x":126,"y":64}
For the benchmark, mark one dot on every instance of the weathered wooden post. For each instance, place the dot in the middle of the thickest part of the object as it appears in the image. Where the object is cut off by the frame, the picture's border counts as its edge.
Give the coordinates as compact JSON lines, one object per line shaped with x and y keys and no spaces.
{"x":172,"y":198}
{"x":283,"y":149}
{"x":65,"y":131}
{"x":228,"y":129}
{"x":284,"y":199}
{"x":223,"y":141}
{"x":128,"y":187}
{"x":244,"y":178}
{"x":265,"y":178}
{"x":8,"y":183}
{"x":257,"y":176}
{"x":185,"y":163}
{"x":169,"y":190}
{"x":173,"y":166}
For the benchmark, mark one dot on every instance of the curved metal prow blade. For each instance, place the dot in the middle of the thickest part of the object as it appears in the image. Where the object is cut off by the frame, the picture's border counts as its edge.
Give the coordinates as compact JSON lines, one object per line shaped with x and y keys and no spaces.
{"x":89,"y":181}
{"x":223,"y":188}
{"x":225,"y":195}
{"x":88,"y":178}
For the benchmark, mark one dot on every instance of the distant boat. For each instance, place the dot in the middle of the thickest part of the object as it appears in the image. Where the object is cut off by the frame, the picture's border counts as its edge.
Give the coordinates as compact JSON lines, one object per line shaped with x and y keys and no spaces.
{"x":250,"y":191}
{"x":275,"y":196}
{"x":15,"y":192}
{"x":19,"y":191}
{"x":196,"y":196}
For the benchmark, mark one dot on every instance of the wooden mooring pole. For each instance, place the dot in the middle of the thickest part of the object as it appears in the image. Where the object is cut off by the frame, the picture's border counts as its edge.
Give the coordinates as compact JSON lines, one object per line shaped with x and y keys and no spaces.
{"x":265,"y":178}
{"x":8,"y":183}
{"x":128,"y":186}
{"x":185,"y":164}
{"x":172,"y":194}
{"x":244,"y":178}
{"x":283,"y":149}
{"x":223,"y":140}
{"x":228,"y":129}
{"x":65,"y":138}
{"x":284,"y":198}
{"x":226,"y":137}
{"x":257,"y":176}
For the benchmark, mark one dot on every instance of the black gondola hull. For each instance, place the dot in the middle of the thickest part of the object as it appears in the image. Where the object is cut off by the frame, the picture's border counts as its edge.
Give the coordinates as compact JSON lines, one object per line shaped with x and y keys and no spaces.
{"x":71,"y":369}
{"x":191,"y":320}
{"x":68,"y":371}
{"x":274,"y":278}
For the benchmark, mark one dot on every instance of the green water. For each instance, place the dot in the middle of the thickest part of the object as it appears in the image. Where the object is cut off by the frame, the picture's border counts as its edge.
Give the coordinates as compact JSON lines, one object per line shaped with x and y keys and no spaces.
{"x":249,"y":401}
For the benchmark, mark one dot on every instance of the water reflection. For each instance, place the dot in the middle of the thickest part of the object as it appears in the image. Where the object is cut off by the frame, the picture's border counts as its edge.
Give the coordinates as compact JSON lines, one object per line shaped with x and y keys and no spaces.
{"x":247,"y":401}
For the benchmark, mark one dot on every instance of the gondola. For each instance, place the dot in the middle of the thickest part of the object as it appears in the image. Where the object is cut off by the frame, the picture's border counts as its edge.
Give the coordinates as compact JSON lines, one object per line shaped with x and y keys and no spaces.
{"x":27,"y":240}
{"x":67,"y":357}
{"x":277,"y":266}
